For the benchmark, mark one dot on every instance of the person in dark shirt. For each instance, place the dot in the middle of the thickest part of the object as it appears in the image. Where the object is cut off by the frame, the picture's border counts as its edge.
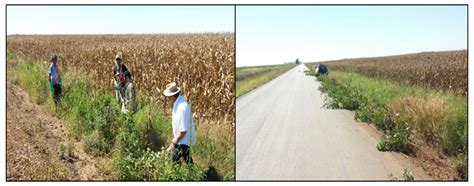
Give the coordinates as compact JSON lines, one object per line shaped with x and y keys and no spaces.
{"x":321,"y":69}
{"x":124,"y":90}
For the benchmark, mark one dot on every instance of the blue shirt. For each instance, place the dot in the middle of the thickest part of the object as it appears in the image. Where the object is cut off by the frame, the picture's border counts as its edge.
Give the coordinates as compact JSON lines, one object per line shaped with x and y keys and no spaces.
{"x":53,"y":72}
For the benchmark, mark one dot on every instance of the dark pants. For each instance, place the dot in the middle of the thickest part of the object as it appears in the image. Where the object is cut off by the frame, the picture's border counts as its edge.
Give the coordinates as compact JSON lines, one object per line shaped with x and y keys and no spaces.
{"x":57,"y":92}
{"x":182,"y":151}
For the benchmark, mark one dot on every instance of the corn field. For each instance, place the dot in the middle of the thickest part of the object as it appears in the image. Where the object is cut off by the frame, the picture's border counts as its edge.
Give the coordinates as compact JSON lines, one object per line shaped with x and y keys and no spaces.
{"x":201,"y":64}
{"x":445,"y":71}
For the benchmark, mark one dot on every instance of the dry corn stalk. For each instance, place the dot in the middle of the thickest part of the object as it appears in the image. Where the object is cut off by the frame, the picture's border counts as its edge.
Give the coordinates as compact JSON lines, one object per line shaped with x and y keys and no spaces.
{"x":202,"y":64}
{"x":437,"y":70}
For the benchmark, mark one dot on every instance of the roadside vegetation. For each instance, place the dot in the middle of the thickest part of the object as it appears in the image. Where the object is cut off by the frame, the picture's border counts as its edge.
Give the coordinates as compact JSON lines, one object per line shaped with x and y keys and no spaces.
{"x":249,"y":78}
{"x":413,"y":118}
{"x":418,"y":100}
{"x":127,"y":146}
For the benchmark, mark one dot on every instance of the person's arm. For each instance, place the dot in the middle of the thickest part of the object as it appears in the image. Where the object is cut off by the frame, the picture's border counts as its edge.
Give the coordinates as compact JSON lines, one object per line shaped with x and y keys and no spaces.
{"x":59,"y":76}
{"x":49,"y":74}
{"x":176,"y":140}
{"x":179,"y":137}
{"x":115,"y":74}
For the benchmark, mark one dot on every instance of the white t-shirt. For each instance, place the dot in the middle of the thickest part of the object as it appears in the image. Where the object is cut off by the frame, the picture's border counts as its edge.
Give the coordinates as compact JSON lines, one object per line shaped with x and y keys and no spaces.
{"x":183,"y":121}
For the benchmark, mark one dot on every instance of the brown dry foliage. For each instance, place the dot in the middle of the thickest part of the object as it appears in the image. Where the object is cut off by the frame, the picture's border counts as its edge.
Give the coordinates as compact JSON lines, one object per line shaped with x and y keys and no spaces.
{"x":423,"y":114}
{"x":201,"y":64}
{"x":437,"y":70}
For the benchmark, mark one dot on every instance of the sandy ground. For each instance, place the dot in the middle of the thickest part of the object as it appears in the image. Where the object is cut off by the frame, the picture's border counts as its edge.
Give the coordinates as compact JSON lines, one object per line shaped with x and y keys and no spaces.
{"x":284,"y":133}
{"x":33,"y":142}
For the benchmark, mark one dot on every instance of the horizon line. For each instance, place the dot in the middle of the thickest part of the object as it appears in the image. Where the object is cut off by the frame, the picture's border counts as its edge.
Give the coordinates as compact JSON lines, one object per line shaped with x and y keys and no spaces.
{"x":350,"y":58}
{"x":155,"y":33}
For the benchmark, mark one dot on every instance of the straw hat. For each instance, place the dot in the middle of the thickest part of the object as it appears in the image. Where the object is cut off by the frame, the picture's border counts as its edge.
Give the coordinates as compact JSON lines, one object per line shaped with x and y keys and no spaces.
{"x":118,"y":56}
{"x":171,"y":89}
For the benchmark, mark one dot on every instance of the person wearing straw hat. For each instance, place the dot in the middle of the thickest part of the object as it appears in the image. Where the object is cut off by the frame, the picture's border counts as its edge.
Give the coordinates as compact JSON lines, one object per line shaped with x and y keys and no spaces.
{"x":184,"y":131}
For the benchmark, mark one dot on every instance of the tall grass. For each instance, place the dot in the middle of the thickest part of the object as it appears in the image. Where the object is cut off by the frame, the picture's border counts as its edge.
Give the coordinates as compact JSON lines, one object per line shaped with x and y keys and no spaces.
{"x":253,"y":81}
{"x":33,"y":79}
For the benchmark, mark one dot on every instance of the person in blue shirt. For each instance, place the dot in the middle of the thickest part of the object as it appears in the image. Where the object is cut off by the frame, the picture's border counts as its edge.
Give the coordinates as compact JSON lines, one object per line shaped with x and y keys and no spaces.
{"x":54,"y":78}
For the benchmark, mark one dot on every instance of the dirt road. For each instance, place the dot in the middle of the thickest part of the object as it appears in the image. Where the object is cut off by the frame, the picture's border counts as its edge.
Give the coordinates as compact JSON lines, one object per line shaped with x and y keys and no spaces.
{"x":283,"y":133}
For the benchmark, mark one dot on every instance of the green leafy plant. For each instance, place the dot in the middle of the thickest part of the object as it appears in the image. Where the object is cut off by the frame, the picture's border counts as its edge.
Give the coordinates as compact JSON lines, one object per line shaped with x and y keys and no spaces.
{"x":397,"y":139}
{"x":62,"y":151}
{"x":342,"y":97}
{"x":407,"y":175}
{"x":95,"y":144}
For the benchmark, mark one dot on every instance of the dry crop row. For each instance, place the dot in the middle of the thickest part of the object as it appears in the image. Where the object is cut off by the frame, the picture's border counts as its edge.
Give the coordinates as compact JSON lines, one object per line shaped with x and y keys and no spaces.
{"x":437,"y":70}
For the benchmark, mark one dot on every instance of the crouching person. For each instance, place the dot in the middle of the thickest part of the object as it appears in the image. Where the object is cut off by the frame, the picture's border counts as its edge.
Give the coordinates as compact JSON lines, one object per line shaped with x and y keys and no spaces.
{"x":184,"y":131}
{"x":321,"y":69}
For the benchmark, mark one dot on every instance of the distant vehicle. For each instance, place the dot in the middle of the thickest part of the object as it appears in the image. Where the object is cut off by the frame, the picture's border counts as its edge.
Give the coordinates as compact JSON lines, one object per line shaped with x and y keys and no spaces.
{"x":320,"y":69}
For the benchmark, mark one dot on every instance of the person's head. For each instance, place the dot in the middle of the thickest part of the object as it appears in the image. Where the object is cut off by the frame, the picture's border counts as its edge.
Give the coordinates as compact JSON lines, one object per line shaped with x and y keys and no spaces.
{"x":118,"y":58}
{"x":54,"y":58}
{"x":172,"y":92}
{"x":173,"y":98}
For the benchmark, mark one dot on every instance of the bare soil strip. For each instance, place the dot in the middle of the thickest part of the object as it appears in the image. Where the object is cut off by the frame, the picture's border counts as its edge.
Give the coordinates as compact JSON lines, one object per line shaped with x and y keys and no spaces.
{"x":34,"y":139}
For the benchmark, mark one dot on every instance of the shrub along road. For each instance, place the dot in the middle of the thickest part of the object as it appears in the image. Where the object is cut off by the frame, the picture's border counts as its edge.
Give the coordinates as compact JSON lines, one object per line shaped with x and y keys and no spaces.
{"x":283,"y":132}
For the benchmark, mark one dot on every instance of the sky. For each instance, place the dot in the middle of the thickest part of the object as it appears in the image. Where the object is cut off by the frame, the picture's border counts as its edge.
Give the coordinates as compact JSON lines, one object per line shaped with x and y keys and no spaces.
{"x":118,"y":19}
{"x":278,"y":34}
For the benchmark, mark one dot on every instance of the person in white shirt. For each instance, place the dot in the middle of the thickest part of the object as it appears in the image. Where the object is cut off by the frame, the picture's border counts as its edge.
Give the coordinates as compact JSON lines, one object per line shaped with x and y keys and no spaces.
{"x":184,"y":131}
